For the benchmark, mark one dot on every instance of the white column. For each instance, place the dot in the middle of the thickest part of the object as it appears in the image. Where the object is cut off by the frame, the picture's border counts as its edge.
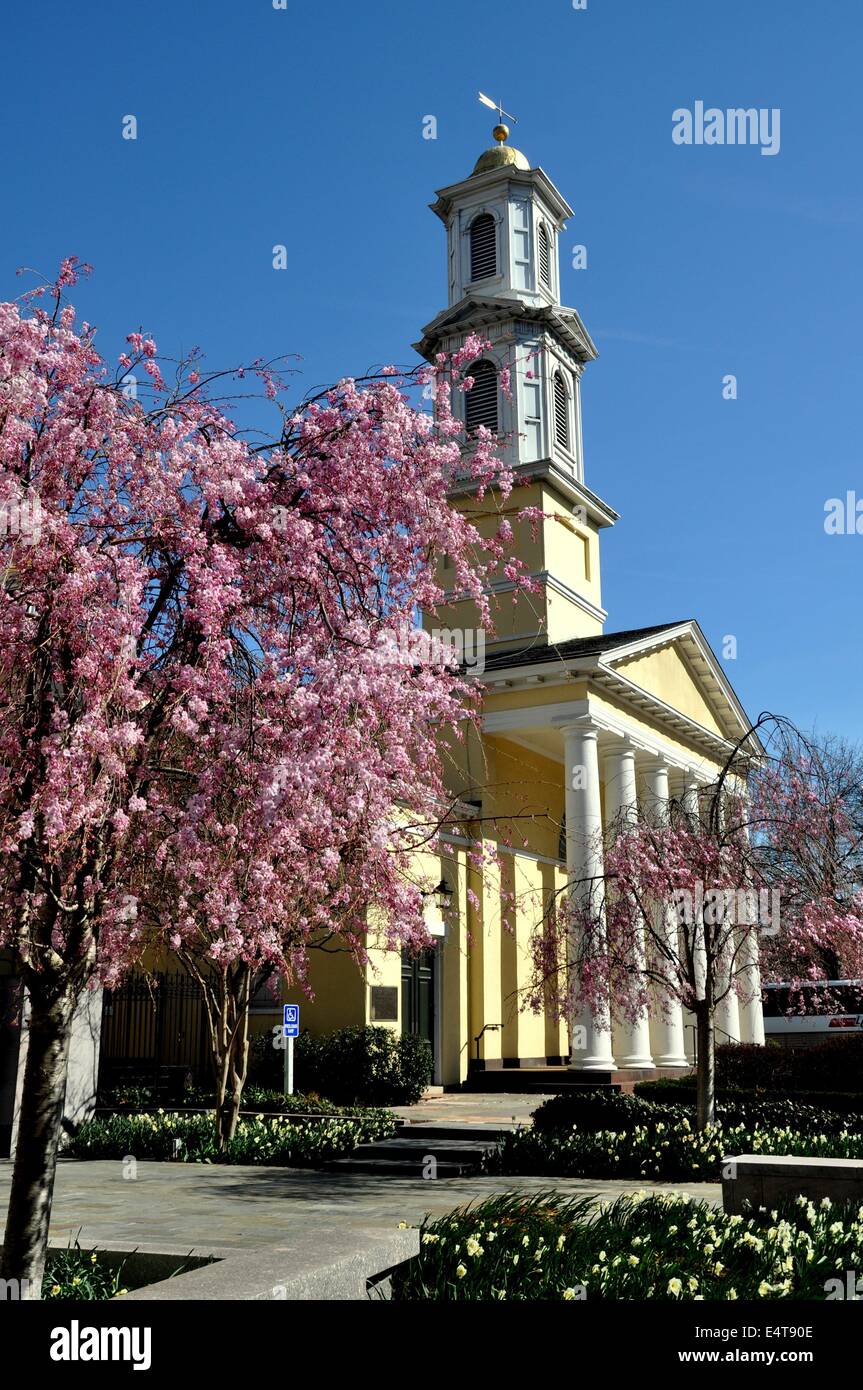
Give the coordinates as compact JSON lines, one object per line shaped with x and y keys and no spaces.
{"x":749,"y":1006}
{"x":631,"y":1038}
{"x":669,"y":1045}
{"x":727,"y":1015}
{"x":751,"y":1012}
{"x":590,"y":1039}
{"x":726,"y":1021}
{"x":691,"y":805}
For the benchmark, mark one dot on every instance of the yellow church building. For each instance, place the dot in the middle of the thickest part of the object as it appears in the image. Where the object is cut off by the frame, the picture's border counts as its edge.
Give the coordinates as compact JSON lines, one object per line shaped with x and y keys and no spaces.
{"x":643,"y":714}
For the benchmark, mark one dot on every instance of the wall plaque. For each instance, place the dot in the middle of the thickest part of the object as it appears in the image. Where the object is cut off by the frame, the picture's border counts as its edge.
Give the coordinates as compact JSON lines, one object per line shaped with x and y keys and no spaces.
{"x":385,"y":1004}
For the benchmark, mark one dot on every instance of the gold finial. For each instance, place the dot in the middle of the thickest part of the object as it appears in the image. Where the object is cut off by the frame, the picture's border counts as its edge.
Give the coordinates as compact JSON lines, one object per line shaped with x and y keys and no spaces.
{"x":500,"y":154}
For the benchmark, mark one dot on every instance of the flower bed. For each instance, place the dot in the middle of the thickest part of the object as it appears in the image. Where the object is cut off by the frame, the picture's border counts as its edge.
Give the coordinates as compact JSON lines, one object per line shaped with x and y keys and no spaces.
{"x":72,"y":1275}
{"x":264,"y":1139}
{"x":662,"y":1151}
{"x":639,"y":1247}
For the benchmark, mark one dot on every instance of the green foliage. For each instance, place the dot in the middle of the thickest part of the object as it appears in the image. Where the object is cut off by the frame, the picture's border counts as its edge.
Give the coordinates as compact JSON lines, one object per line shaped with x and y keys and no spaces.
{"x":259,"y":1099}
{"x":364,"y":1066}
{"x":255,"y":1098}
{"x":266,"y":1062}
{"x":73,"y":1275}
{"x":833,"y":1065}
{"x":681,"y":1091}
{"x":192,"y":1138}
{"x":666,"y":1248}
{"x":589,"y":1111}
{"x":670,"y":1149}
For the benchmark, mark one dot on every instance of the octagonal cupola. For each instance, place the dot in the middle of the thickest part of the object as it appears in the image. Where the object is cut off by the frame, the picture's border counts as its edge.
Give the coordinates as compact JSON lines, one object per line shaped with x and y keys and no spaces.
{"x":503,"y":225}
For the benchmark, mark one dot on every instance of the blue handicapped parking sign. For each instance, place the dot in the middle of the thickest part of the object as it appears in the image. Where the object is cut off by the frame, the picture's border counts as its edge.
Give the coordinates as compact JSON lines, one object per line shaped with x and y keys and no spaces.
{"x":291,"y":1020}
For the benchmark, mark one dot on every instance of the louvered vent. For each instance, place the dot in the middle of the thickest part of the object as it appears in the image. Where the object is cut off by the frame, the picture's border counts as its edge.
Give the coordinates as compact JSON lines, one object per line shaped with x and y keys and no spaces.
{"x":544,"y":256}
{"x":481,"y":399}
{"x":483,"y":247}
{"x":561,"y":412}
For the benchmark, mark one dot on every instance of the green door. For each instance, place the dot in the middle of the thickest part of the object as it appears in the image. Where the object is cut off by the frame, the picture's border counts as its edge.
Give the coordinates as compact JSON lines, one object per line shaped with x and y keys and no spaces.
{"x":418,"y":995}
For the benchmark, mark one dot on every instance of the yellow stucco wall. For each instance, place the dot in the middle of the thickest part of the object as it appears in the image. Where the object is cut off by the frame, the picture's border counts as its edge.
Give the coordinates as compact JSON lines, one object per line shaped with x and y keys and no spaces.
{"x":562,"y":543}
{"x":665,"y":674}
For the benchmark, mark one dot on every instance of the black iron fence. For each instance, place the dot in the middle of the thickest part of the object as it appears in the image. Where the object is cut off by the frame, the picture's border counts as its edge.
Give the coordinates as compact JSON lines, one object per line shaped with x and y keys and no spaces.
{"x":154,"y":1033}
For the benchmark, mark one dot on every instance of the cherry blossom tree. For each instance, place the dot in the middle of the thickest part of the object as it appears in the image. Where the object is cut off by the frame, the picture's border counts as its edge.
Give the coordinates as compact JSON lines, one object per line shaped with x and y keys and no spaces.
{"x":690,"y":898}
{"x":196,"y":681}
{"x":808,"y":820}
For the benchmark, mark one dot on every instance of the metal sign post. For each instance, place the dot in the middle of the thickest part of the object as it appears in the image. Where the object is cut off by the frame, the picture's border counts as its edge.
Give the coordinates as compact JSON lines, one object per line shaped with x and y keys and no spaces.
{"x":291,"y":1030}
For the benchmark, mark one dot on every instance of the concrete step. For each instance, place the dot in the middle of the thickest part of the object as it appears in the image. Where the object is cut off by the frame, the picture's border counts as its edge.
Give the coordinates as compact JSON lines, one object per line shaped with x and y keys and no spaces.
{"x":450,"y":1150}
{"x":481,"y":1133}
{"x":457,"y":1149}
{"x":403,"y":1168}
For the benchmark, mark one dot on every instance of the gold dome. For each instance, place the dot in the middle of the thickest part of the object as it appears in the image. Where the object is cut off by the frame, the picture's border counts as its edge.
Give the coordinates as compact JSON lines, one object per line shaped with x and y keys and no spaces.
{"x":500,"y":154}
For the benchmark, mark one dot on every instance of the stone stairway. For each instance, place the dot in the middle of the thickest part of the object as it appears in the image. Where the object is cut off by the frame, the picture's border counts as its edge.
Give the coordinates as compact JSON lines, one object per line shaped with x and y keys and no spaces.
{"x":457,"y":1150}
{"x":559,"y":1080}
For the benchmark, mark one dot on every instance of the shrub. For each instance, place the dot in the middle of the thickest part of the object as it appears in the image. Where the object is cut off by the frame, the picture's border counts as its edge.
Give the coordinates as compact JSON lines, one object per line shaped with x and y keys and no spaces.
{"x":681,"y":1091}
{"x":589,"y":1111}
{"x":192,"y":1138}
{"x":666,"y":1248}
{"x":255,"y":1099}
{"x":266,"y":1062}
{"x":366,"y":1066}
{"x":833,"y":1065}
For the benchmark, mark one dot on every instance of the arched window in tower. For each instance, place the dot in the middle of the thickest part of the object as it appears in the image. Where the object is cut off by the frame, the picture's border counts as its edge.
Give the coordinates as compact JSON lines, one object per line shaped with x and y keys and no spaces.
{"x":561,"y":412}
{"x":483,"y":247}
{"x":481,"y":399}
{"x":544,"y":256}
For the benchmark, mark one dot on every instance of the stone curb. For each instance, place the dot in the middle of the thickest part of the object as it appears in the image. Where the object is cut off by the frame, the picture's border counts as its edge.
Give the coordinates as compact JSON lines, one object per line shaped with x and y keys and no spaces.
{"x":324,"y":1263}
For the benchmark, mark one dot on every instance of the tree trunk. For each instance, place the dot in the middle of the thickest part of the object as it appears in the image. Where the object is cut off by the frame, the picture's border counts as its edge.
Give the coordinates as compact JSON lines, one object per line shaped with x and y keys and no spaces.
{"x":39,"y":1127}
{"x":706,"y":1067}
{"x":232,"y":1066}
{"x":230,"y":1097}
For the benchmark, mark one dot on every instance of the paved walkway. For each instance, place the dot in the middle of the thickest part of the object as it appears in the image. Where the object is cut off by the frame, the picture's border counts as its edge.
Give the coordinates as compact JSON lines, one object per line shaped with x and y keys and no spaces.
{"x":207,"y":1206}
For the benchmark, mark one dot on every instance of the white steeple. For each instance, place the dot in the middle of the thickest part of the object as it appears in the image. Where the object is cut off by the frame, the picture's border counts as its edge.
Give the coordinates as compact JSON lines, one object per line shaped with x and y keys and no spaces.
{"x":503,"y":228}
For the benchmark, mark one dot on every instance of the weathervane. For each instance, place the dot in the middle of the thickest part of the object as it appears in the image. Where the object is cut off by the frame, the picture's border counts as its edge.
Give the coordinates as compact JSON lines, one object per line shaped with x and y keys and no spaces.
{"x":496,"y":106}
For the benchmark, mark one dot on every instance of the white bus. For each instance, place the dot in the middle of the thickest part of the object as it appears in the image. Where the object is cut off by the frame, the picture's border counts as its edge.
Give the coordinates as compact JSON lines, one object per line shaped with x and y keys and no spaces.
{"x":814,"y":1010}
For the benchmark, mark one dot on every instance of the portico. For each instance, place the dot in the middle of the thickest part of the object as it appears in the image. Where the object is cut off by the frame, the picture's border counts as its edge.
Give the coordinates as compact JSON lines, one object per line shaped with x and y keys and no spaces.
{"x":616,"y":763}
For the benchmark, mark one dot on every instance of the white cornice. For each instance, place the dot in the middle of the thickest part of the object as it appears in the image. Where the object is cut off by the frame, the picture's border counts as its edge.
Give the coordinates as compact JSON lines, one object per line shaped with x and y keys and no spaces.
{"x":552,"y":716}
{"x":506,"y":173}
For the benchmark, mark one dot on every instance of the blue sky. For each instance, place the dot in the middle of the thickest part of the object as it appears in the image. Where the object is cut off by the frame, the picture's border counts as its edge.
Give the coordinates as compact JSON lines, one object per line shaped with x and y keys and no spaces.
{"x":303,"y":126}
